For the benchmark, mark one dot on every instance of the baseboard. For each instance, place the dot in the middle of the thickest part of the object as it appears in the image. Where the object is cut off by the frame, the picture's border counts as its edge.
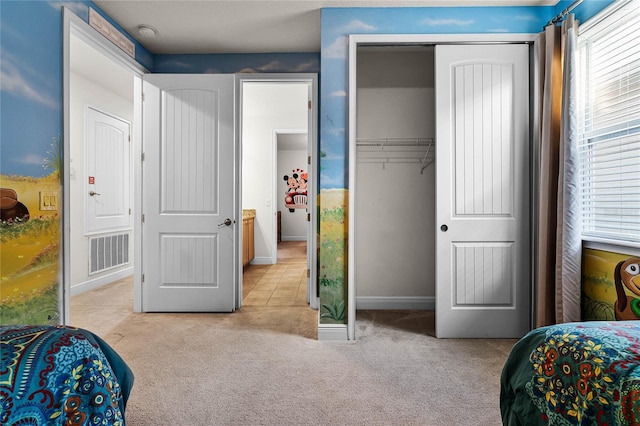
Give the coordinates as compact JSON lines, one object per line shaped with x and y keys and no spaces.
{"x":100,"y":281}
{"x":294,"y":238}
{"x":332,"y":332}
{"x":261,"y":261}
{"x":427,"y":303}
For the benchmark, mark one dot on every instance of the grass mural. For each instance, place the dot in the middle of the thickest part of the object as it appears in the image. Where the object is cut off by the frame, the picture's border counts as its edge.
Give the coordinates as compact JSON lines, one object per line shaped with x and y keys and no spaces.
{"x":30,"y":253}
{"x":333,"y":252}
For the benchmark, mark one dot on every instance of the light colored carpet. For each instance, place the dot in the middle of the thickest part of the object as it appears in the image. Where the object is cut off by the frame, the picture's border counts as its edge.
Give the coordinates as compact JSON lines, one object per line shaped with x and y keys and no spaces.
{"x":264,"y":366}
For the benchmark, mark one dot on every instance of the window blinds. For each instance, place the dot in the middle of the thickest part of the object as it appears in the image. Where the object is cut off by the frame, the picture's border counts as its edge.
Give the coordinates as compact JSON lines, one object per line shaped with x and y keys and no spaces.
{"x":609,"y":124}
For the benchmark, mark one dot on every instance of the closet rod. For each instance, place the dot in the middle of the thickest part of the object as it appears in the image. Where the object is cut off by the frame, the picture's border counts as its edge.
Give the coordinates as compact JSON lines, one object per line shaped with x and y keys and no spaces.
{"x":564,"y":13}
{"x":397,"y":149}
{"x":394,"y":141}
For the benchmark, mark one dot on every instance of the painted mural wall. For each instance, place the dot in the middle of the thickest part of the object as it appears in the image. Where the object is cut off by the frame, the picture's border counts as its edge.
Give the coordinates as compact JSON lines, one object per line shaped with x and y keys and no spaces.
{"x":610,"y":285}
{"x":231,"y":63}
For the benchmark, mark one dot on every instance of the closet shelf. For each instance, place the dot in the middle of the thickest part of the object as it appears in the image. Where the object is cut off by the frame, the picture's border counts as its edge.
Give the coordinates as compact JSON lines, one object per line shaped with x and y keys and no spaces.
{"x":420,"y":150}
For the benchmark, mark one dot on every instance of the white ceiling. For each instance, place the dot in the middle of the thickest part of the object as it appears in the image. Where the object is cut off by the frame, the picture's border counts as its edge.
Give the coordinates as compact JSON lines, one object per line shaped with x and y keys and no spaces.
{"x":248,"y":26}
{"x":91,"y":64}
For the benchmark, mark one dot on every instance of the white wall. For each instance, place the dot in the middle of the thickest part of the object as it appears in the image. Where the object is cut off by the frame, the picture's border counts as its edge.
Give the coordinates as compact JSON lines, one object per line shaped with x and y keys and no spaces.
{"x":294,"y":224}
{"x":267,"y":107}
{"x":395,"y":203}
{"x":83,"y":93}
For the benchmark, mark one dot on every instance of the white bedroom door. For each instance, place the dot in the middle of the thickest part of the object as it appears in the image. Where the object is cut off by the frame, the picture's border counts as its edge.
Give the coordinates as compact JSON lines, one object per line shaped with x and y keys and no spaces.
{"x":107,"y":185}
{"x":189,"y":175}
{"x":482,"y":187}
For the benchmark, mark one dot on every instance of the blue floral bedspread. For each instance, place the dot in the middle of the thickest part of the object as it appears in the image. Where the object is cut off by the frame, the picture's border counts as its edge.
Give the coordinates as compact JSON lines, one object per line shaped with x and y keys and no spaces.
{"x":574,"y":374}
{"x":58,"y":375}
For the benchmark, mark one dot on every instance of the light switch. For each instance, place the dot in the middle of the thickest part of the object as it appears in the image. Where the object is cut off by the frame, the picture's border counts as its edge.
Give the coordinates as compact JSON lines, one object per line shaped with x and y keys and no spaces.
{"x":48,"y":200}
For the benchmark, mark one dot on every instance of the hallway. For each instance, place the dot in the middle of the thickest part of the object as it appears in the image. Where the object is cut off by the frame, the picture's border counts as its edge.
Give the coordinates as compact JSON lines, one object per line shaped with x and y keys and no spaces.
{"x":282,"y":284}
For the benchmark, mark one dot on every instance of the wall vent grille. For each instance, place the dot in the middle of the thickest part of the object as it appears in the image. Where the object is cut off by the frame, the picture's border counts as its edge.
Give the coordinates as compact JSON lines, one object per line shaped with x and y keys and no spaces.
{"x":107,"y":252}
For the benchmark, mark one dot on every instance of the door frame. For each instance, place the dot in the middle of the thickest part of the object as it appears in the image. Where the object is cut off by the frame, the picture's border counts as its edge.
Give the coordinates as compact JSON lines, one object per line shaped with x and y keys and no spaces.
{"x":73,"y":25}
{"x":355,"y":40}
{"x":312,"y":146}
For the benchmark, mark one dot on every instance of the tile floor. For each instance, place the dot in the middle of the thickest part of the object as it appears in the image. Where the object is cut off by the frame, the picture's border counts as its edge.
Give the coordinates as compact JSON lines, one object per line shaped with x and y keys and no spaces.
{"x":282,"y":284}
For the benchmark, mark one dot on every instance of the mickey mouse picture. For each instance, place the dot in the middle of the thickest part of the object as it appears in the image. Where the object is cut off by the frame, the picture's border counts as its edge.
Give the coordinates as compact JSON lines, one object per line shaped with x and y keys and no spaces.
{"x":296,"y":193}
{"x":292,"y":183}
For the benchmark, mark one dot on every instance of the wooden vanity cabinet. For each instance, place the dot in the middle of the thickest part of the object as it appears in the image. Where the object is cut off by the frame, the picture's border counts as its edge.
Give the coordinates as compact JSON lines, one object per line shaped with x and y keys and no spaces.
{"x":247,"y":241}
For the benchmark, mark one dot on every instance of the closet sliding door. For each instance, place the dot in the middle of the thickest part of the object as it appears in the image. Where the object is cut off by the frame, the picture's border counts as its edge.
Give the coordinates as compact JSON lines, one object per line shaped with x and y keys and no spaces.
{"x":482,"y":190}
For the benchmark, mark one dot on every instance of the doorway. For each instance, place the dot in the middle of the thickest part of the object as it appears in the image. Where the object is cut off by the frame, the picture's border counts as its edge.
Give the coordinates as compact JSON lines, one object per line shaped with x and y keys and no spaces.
{"x":395,"y":177}
{"x":277,"y":139}
{"x":479,"y":273}
{"x":100,"y":107}
{"x":285,"y":282}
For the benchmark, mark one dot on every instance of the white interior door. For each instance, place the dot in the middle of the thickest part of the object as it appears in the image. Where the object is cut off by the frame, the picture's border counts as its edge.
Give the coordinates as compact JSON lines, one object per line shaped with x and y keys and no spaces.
{"x":189,"y":173}
{"x":107,"y":195}
{"x":482,"y":186}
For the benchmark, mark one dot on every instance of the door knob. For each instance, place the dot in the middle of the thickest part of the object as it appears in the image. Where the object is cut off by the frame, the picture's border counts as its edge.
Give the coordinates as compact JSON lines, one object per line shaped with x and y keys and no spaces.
{"x":227,"y":222}
{"x":444,"y":228}
{"x":92,"y":193}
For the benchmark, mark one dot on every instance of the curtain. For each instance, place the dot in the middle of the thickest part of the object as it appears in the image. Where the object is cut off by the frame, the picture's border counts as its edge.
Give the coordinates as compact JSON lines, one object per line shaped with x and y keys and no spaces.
{"x":558,"y":245}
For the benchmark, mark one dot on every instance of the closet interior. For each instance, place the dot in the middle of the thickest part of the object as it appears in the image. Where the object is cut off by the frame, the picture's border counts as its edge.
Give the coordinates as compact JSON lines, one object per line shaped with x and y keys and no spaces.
{"x":395,"y":178}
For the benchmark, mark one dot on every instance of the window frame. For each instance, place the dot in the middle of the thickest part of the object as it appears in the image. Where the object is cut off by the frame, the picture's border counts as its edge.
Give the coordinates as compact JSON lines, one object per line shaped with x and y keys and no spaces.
{"x":604,"y":15}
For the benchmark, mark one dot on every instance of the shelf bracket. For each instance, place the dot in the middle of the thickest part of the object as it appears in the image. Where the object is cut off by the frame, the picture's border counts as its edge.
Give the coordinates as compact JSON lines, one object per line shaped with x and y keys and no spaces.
{"x":426,"y":156}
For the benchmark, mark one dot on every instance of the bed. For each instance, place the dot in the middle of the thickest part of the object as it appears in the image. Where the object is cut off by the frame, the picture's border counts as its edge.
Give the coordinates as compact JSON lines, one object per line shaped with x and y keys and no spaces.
{"x":55,"y":375}
{"x":574,"y":374}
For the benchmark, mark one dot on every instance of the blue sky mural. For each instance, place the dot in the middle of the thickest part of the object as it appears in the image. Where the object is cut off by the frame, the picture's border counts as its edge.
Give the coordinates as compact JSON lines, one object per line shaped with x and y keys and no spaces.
{"x":238,"y":63}
{"x":31,"y":96}
{"x":31,"y":84}
{"x":338,"y":23}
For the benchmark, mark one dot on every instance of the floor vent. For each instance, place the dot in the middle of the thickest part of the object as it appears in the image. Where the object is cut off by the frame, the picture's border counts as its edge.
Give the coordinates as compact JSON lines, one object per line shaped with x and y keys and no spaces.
{"x":108,"y":252}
